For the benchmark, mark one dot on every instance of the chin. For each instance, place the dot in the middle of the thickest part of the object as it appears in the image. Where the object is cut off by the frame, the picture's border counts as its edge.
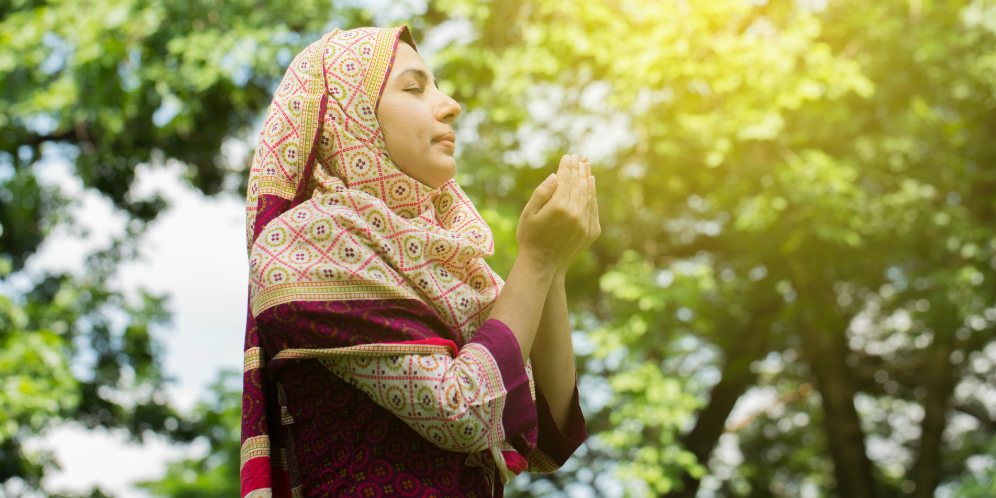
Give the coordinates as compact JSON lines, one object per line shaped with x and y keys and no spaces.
{"x":443,"y":172}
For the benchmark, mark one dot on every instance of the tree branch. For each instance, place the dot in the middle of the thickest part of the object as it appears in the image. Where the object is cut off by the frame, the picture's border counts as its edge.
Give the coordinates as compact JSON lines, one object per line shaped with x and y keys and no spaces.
{"x":710,"y":422}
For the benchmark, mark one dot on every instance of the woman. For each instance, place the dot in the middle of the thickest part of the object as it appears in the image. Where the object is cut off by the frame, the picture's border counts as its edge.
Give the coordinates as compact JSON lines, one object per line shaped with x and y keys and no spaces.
{"x":382,"y":357}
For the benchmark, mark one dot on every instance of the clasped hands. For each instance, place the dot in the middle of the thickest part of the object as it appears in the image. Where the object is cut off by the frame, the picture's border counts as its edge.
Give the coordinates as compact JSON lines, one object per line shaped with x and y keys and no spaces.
{"x":561,"y":218}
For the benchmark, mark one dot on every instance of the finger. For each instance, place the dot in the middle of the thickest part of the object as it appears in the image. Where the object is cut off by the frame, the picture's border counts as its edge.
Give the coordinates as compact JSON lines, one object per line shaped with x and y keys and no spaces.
{"x":583,"y":195}
{"x":574,"y":197}
{"x":598,"y":223}
{"x":587,"y":167}
{"x":583,"y":214}
{"x":592,"y":205}
{"x":542,"y":194}
{"x":564,"y":179}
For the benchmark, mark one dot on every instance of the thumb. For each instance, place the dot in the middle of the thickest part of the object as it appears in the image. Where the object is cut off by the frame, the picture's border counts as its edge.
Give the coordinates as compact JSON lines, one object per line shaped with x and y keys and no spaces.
{"x":542,"y":194}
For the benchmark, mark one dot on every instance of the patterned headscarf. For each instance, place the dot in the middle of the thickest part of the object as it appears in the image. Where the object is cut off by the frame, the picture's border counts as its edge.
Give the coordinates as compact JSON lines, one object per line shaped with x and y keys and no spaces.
{"x":329,"y":216}
{"x":404,"y":238}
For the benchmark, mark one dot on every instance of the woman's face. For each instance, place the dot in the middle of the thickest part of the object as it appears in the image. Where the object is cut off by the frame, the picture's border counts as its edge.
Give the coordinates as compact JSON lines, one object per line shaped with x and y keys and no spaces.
{"x":416,"y":119}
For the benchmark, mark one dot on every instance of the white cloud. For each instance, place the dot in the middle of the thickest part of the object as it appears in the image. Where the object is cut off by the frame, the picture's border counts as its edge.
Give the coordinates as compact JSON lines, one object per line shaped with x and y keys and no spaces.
{"x":92,"y":458}
{"x":195,"y":252}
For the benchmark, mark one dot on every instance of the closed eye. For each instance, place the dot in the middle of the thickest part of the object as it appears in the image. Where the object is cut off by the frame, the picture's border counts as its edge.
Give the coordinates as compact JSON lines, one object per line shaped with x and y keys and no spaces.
{"x":415,"y":89}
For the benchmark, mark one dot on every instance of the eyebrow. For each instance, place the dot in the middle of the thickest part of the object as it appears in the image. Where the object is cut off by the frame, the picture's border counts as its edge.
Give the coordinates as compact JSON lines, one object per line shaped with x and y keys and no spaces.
{"x":420,"y":74}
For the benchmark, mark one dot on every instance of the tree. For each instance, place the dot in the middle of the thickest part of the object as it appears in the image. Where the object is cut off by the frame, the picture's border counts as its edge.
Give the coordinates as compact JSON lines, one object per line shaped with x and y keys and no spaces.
{"x":107,"y":86}
{"x":797,"y":180}
{"x":797,"y":201}
{"x":217,"y":473}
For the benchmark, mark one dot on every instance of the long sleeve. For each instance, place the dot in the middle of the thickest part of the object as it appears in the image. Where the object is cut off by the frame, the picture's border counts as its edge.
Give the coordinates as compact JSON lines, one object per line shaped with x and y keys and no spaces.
{"x":399,"y":353}
{"x":464,"y":403}
{"x":554,"y":447}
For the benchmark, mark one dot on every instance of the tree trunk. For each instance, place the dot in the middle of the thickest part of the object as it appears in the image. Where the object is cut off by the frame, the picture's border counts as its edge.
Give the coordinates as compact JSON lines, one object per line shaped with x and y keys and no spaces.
{"x":939,"y":382}
{"x":825,"y":351}
{"x":736,"y":377}
{"x":711,"y":421}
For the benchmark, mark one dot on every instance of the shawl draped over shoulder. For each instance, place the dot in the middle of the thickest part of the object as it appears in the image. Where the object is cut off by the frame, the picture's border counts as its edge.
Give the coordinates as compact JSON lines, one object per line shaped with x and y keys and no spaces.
{"x":357,"y":265}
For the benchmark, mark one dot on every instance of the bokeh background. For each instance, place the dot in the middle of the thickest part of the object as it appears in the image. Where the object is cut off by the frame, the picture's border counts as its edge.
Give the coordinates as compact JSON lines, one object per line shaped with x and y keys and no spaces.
{"x":794,"y":294}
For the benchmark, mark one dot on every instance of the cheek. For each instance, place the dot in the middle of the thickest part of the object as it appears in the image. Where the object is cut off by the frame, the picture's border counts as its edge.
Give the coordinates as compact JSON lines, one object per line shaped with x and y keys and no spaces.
{"x":405,"y":127}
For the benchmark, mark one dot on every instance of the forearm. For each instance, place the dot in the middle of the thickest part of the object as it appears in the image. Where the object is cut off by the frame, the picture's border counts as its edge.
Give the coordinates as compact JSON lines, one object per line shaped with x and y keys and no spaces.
{"x":520,"y":304}
{"x":553,"y":353}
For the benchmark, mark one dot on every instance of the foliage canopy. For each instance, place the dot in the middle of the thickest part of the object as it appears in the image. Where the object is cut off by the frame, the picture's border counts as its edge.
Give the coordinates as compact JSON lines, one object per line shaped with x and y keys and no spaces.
{"x":798,"y":205}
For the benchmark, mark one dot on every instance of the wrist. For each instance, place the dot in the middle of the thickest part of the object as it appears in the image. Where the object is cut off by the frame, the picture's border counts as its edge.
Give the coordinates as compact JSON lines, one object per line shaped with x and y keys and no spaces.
{"x":558,"y":291}
{"x":560,"y":276}
{"x":534,"y":265}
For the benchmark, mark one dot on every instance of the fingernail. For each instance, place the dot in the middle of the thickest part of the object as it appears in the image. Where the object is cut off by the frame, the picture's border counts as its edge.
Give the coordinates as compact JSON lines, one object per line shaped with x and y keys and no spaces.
{"x":550,"y":179}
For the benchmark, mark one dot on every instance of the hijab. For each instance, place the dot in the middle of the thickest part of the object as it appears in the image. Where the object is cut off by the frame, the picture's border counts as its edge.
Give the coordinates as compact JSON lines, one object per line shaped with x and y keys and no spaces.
{"x":404,"y":238}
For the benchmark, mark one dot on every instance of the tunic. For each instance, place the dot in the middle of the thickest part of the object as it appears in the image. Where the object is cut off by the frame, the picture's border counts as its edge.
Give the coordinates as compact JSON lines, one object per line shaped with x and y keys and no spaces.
{"x":340,"y":442}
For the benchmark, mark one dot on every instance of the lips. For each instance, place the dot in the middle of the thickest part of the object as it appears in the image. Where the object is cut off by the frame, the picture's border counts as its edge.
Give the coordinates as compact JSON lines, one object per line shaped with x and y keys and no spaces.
{"x":447,"y":139}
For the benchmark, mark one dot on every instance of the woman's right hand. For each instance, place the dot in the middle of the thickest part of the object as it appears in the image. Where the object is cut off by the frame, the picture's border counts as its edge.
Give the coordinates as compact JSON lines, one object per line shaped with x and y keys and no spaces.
{"x":561,"y":218}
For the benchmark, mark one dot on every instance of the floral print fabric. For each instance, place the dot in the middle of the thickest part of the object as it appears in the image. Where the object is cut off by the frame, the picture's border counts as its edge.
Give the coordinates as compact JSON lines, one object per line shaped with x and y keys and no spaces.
{"x":329,"y":438}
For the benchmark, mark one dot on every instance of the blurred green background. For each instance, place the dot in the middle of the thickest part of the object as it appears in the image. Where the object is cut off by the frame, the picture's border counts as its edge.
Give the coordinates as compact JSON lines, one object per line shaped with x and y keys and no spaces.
{"x":794,"y":294}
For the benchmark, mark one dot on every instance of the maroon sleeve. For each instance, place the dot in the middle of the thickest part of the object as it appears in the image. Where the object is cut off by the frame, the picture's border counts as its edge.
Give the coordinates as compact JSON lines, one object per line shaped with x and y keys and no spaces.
{"x":556,"y":444}
{"x":519,"y":414}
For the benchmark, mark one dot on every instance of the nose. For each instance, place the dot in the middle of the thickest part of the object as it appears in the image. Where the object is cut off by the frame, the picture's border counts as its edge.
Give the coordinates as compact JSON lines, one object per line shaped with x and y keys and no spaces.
{"x":447,"y":110}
